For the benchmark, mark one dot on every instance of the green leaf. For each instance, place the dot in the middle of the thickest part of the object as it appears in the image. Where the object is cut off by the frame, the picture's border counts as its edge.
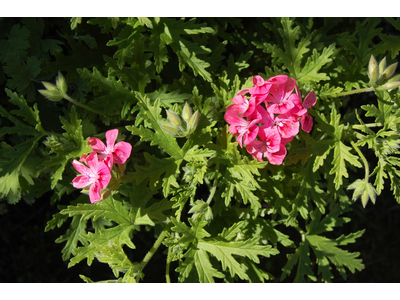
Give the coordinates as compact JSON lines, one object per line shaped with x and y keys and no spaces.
{"x":16,"y":44}
{"x":224,"y":252}
{"x":325,"y":247}
{"x":152,"y":113}
{"x":72,"y":237}
{"x":310,"y":72}
{"x":342,"y":154}
{"x":363,"y":189}
{"x":205,"y":270}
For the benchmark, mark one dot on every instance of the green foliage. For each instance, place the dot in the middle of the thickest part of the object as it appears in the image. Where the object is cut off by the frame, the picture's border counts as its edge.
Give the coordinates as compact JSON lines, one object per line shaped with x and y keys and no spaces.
{"x":219,"y":214}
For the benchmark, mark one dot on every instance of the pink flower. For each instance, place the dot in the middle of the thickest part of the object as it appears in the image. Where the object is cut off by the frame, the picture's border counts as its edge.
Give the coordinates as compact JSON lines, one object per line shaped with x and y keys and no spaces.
{"x":111,"y":153}
{"x":259,"y":149}
{"x":287,"y":125}
{"x":97,"y":175}
{"x":246,"y":131}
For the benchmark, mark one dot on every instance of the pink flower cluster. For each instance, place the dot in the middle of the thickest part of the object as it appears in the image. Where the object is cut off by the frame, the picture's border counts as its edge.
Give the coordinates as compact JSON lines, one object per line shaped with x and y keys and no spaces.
{"x":265,"y":131}
{"x":99,"y":163}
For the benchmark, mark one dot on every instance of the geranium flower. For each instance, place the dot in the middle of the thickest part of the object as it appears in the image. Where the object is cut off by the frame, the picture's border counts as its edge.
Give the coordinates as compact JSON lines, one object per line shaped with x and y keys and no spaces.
{"x":281,"y":97}
{"x":97,"y":175}
{"x":111,"y":153}
{"x":259,"y":149}
{"x":246,"y":131}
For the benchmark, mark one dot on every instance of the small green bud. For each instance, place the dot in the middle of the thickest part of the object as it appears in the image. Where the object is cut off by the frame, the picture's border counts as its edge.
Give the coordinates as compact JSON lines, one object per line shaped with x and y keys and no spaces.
{"x":52,"y":95}
{"x":49,"y":85}
{"x":186,"y":112}
{"x":174,"y":118}
{"x":389,"y":71}
{"x":373,"y":72}
{"x":169,"y":128}
{"x":193,"y":121}
{"x":395,"y":78}
{"x":389,"y":86}
{"x":382,"y":65}
{"x":61,"y":83}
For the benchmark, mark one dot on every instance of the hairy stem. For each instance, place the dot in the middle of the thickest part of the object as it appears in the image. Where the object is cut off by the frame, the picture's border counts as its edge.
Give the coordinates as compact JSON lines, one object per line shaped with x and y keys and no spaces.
{"x":83,"y":105}
{"x":156,"y":245}
{"x":363,"y":159}
{"x":214,"y":188}
{"x":355,"y":92}
{"x":167,"y":266}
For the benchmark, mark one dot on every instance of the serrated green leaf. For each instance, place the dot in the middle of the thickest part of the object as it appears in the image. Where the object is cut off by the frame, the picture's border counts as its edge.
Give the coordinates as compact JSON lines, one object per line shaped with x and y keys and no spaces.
{"x":310,"y":71}
{"x":223,"y":251}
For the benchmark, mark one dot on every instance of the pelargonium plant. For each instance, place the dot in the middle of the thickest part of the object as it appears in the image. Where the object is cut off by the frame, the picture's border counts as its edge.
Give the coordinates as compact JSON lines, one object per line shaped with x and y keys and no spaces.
{"x":188,"y":143}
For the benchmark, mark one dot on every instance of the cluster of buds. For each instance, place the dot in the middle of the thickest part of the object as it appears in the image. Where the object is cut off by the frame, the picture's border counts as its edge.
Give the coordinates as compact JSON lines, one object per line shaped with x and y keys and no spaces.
{"x":380,"y":76}
{"x":97,"y":170}
{"x":55,"y":92}
{"x":176,"y":127}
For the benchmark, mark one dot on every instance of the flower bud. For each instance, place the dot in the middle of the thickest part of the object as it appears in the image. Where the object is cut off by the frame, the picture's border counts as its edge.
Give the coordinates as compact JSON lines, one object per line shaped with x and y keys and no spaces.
{"x":395,"y":78}
{"x":174,"y":118}
{"x":373,"y":72}
{"x":49,"y":85}
{"x":389,"y":71}
{"x":186,"y":112}
{"x":61,"y":83}
{"x":193,"y":121}
{"x":52,"y":95}
{"x":169,"y":128}
{"x":389,"y":86}
{"x":382,"y":65}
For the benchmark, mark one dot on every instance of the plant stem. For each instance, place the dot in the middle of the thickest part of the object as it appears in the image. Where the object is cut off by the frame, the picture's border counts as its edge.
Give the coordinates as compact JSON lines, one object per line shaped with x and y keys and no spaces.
{"x":83,"y":105}
{"x":156,"y":245}
{"x":363,"y":159}
{"x":214,"y":188}
{"x":355,"y":92}
{"x":167,"y":266}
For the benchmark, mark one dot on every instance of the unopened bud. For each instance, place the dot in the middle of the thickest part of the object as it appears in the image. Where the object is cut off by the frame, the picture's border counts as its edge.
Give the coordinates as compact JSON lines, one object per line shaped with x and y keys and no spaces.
{"x":373,"y":72}
{"x":61,"y":83}
{"x":193,"y":121}
{"x":389,"y":71}
{"x":395,"y":78}
{"x":186,"y":112}
{"x":169,"y":128}
{"x":382,"y":65}
{"x":49,"y":85}
{"x":389,"y":86}
{"x":52,"y":95}
{"x":174,"y":118}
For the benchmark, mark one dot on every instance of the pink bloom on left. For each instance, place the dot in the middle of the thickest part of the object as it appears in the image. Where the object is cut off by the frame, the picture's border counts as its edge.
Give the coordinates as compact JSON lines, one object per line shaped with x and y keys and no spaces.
{"x":96,"y":174}
{"x":112,"y":153}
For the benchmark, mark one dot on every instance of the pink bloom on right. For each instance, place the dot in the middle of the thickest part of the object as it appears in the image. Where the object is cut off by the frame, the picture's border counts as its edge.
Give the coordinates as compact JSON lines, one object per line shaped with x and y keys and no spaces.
{"x":270,"y":117}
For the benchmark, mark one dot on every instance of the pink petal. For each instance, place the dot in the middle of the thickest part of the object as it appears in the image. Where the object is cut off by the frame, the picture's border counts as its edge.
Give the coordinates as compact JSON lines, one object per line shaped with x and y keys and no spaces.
{"x":310,"y":100}
{"x":271,"y":137}
{"x":122,"y":151}
{"x":111,"y":137}
{"x":250,"y":135}
{"x":81,"y":181}
{"x":277,"y":157}
{"x":104,"y":174}
{"x":256,"y":149}
{"x":80,"y":167}
{"x":281,"y":108}
{"x":306,"y":123}
{"x":287,"y":126}
{"x":94,"y":192}
{"x":278,"y":79}
{"x":92,"y":162}
{"x":97,"y":145}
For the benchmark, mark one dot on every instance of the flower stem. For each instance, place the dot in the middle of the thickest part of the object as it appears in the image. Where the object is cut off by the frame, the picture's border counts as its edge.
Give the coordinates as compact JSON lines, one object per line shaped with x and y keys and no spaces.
{"x":363,"y":159}
{"x":83,"y":105}
{"x":355,"y":92}
{"x":156,"y":245}
{"x":167,"y":266}
{"x":214,"y":188}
